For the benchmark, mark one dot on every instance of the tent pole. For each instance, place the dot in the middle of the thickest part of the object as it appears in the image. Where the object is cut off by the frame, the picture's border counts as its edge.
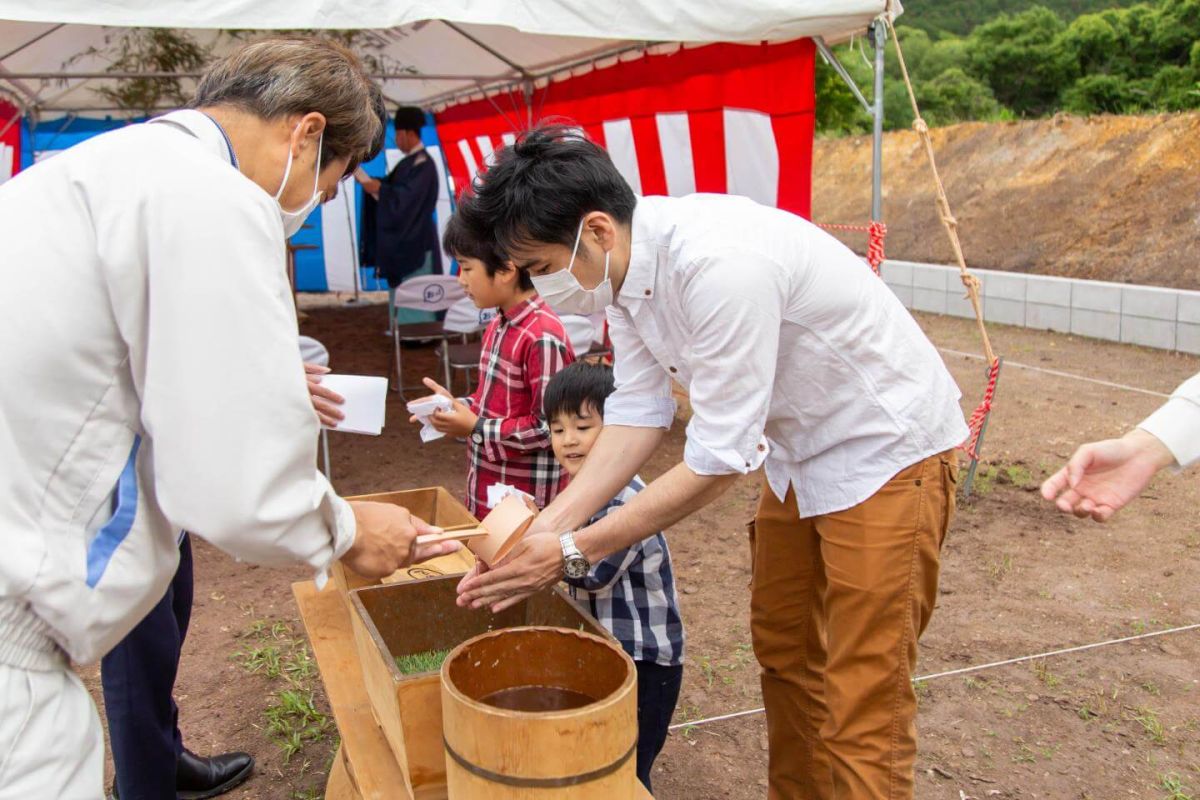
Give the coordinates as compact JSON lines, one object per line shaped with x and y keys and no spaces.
{"x":350,"y":203}
{"x":832,"y":61}
{"x":879,"y":39}
{"x":527,"y":89}
{"x":32,"y":41}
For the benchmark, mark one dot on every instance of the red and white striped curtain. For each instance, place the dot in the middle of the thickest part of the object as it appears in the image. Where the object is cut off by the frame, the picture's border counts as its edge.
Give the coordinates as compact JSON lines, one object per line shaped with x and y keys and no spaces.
{"x":10,"y":140}
{"x":725,"y":118}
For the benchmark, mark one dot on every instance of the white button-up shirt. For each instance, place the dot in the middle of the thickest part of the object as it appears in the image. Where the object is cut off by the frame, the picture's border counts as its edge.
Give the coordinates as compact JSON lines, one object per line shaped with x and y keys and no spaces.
{"x":1177,"y":423}
{"x":792,"y":351}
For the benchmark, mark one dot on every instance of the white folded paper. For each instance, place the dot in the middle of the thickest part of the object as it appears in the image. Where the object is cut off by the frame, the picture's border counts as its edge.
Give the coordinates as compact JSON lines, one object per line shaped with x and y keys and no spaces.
{"x":423,"y":410}
{"x":498,"y":491}
{"x":366,"y":399}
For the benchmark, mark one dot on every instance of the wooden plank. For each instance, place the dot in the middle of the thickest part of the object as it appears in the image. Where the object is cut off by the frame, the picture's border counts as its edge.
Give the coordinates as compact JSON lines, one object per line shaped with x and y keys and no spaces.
{"x":372,"y":766}
{"x":339,"y":786}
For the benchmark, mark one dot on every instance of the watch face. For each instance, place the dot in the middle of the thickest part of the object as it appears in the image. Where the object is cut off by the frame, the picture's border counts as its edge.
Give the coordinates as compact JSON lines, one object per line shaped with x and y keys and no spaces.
{"x":576,"y":567}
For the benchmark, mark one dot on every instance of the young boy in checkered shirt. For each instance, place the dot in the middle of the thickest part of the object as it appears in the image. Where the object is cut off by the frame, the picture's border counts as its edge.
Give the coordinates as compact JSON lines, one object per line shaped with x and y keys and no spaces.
{"x":632,"y":591}
{"x":508,"y":441}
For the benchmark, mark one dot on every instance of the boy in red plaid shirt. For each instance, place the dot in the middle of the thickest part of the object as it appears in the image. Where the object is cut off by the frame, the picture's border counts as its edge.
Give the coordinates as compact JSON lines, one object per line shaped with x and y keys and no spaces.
{"x":508,"y":439}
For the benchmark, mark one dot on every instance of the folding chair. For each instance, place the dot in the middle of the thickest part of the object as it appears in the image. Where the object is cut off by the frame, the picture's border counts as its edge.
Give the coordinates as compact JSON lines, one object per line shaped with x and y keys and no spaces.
{"x":424,"y":293}
{"x":464,"y":358}
{"x":465,"y":318}
{"x":581,"y":331}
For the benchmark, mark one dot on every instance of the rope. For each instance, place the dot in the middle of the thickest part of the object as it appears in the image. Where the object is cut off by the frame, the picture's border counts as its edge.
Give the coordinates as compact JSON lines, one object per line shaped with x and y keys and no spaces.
{"x":966,"y":670}
{"x":951,"y":225}
{"x":876,"y":234}
{"x":975,"y":424}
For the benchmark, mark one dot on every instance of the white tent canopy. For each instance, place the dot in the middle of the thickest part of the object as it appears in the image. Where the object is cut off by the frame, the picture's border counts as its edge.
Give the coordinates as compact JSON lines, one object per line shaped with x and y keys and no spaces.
{"x":52,"y":52}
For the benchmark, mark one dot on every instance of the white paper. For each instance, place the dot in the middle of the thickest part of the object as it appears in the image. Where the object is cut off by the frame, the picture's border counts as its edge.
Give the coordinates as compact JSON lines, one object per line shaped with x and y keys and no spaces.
{"x":366,"y":399}
{"x":498,"y":491}
{"x":423,"y":410}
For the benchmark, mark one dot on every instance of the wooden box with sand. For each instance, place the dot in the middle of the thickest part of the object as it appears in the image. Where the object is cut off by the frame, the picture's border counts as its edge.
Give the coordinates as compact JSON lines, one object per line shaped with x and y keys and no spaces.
{"x":436,"y":506}
{"x":403,"y":630}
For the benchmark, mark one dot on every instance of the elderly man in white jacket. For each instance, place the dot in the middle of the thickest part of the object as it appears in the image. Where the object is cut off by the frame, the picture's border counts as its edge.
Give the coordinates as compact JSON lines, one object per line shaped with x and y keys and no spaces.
{"x":157,"y":387}
{"x":1103,"y":477}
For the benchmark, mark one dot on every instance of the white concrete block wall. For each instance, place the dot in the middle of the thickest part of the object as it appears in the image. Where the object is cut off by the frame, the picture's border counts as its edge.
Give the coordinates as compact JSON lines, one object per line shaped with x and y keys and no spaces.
{"x":1151,"y":316}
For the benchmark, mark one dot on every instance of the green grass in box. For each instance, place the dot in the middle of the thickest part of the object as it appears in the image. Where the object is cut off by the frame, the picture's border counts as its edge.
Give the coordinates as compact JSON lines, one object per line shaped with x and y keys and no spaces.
{"x":428,"y":661}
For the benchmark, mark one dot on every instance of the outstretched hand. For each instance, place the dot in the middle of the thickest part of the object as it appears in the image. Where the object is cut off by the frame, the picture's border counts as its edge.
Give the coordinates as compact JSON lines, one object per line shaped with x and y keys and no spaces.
{"x":385,"y":540}
{"x":535,"y":563}
{"x":458,"y":421}
{"x":1103,"y":477}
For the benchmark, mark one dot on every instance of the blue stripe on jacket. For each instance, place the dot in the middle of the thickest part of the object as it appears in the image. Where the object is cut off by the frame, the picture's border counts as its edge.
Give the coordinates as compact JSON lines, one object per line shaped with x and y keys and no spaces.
{"x":101,"y":550}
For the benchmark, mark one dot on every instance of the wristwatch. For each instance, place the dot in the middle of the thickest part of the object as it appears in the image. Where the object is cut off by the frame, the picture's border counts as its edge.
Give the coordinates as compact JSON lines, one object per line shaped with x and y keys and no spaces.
{"x":575,"y":565}
{"x":477,"y":433}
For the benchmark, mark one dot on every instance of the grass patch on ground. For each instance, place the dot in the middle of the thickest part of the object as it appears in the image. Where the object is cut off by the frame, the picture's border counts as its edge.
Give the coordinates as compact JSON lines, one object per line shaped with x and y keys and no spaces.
{"x":416,"y":663}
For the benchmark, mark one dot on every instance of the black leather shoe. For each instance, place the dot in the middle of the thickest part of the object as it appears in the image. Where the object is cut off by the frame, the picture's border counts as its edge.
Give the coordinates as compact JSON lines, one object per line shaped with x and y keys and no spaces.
{"x":197,"y":778}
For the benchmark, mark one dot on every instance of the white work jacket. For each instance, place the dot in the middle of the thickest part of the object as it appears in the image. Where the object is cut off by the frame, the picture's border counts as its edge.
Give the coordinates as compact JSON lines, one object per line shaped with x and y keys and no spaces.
{"x":151,"y":380}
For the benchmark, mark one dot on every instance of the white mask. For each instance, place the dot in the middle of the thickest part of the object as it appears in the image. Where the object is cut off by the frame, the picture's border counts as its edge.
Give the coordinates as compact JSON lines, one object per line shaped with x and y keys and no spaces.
{"x":564,"y":293}
{"x":294,"y":220}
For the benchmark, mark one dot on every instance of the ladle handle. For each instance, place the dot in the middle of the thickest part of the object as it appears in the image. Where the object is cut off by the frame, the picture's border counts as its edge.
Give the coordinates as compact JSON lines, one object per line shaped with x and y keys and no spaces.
{"x":448,"y":536}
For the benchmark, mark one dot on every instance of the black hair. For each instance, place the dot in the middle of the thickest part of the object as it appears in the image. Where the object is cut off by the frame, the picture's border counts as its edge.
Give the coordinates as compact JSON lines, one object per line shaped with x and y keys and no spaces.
{"x":409,"y":118}
{"x":538,"y":188}
{"x":467,"y":237}
{"x":577,"y":387}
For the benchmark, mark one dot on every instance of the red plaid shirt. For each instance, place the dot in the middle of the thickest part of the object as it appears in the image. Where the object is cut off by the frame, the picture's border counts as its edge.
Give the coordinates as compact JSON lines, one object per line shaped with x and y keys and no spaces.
{"x":521,"y":352}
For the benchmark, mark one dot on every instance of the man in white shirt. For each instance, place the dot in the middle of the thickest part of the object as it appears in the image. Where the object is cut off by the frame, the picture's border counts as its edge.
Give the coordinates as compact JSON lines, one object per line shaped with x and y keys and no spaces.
{"x":1103,"y":477}
{"x":157,"y":387}
{"x":796,"y":358}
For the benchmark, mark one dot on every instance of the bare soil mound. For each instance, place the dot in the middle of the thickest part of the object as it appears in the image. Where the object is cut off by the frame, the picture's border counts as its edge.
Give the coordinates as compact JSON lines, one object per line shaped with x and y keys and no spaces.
{"x":1106,"y":198}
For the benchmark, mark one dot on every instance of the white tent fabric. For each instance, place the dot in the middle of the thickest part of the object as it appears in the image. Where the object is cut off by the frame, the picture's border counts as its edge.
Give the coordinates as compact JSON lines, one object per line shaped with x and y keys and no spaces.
{"x":430,"y":52}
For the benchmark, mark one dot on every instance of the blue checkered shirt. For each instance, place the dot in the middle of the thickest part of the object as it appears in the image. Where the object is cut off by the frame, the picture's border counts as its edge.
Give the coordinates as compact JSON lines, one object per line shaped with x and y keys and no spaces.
{"x":632,"y":594}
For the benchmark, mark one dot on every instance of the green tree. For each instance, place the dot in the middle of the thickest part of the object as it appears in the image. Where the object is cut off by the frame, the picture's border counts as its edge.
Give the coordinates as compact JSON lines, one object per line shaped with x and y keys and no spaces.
{"x":1092,"y":41}
{"x":838,"y":110}
{"x":1106,"y":94}
{"x":955,"y":96}
{"x":1175,"y":89}
{"x":1023,"y":60}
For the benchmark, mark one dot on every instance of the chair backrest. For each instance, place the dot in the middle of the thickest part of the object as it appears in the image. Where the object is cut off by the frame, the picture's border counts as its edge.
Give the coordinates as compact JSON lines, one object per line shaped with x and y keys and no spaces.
{"x":313,"y":352}
{"x":429,"y":293}
{"x":580,"y":331}
{"x":465,"y":317}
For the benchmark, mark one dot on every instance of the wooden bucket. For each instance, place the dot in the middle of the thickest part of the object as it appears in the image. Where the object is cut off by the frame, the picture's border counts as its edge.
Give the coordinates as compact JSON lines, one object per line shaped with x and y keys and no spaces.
{"x":412,"y":617}
{"x":588,"y":752}
{"x":436,"y":506}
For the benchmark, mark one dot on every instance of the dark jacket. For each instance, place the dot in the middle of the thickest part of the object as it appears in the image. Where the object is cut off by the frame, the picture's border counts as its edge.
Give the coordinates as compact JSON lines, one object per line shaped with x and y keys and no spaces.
{"x":398,"y":229}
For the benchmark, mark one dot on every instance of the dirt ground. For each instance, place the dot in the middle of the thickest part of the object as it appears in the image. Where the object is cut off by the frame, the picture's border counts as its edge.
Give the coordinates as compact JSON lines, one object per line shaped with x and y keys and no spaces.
{"x":1107,"y":198}
{"x":1117,"y":722}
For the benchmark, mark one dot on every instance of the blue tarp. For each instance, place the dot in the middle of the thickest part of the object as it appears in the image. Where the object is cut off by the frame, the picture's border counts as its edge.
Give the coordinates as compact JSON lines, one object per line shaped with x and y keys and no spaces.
{"x":60,"y":134}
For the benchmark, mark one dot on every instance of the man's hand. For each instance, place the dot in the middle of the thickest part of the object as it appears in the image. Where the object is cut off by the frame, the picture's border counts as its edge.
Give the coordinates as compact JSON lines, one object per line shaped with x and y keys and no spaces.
{"x":325,"y":401}
{"x":385,"y":540}
{"x":1102,"y":477}
{"x":370,"y":185}
{"x":534,"y":564}
{"x":458,"y":421}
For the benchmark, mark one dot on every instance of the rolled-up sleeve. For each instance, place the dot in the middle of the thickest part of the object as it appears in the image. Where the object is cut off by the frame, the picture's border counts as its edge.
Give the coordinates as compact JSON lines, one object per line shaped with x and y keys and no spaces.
{"x":224,"y":398}
{"x":734,"y":308}
{"x":1177,"y":423}
{"x":643,"y":395}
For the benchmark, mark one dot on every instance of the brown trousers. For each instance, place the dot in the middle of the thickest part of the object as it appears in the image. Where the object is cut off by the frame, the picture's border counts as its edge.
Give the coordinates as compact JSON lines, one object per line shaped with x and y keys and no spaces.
{"x":838,"y":604}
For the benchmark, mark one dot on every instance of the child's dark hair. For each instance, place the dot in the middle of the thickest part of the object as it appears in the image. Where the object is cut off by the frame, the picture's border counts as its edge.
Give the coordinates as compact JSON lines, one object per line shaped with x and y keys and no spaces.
{"x":578,"y":386}
{"x":466,"y":237}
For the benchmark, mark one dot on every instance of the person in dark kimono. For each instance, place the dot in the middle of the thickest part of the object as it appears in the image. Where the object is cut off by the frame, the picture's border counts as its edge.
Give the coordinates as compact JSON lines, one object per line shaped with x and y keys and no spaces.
{"x":399,"y":234}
